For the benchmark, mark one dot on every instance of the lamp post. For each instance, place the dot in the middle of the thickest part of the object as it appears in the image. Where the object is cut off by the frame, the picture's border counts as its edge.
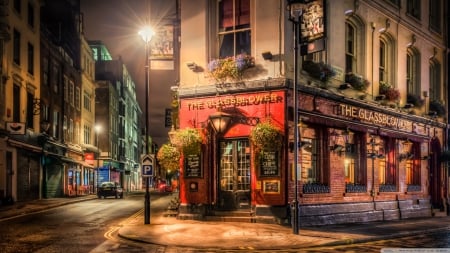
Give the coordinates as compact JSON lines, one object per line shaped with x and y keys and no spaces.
{"x":295,"y":12}
{"x":97,"y":128}
{"x":146,"y":34}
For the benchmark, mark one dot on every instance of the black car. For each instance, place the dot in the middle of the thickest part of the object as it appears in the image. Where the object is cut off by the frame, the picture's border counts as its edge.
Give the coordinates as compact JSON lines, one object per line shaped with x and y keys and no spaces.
{"x":107,"y":189}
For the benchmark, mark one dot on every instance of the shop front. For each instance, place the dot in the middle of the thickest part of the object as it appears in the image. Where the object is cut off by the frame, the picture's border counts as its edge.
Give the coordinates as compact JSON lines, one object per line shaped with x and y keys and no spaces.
{"x":362,"y":162}
{"x":229,"y":175}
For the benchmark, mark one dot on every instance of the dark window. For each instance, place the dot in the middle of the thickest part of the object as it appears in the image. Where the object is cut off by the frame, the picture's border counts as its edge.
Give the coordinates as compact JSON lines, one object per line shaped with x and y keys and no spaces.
{"x":16,"y":47}
{"x":17,"y":5}
{"x":350,"y":48}
{"x":435,"y":15}
{"x":30,"y":59}
{"x":234,"y":27}
{"x":413,"y":8}
{"x":16,"y":103}
{"x":30,"y":14}
{"x":30,"y":107}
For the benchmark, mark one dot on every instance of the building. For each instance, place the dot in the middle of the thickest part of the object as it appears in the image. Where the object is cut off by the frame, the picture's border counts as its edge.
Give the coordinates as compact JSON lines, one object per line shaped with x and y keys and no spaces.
{"x":371,"y":82}
{"x":118,"y":112}
{"x":20,"y":170}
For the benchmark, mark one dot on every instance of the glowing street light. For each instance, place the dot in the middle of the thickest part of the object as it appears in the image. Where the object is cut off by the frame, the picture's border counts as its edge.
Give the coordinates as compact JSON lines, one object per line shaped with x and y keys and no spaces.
{"x":147,"y":33}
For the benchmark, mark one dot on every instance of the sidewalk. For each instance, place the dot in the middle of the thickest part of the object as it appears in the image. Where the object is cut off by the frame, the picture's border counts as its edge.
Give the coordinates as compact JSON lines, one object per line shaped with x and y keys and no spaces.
{"x":169,"y":231}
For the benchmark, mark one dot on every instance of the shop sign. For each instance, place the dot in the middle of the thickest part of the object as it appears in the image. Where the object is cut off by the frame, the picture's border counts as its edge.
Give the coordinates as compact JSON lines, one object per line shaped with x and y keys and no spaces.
{"x":269,"y":164}
{"x":373,"y":117}
{"x":235,"y":101}
{"x":192,"y":166}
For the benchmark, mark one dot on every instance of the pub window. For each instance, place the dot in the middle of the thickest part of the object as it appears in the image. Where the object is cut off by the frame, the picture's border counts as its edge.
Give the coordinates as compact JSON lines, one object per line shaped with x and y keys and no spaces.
{"x":354,"y":167}
{"x":314,"y":164}
{"x":413,"y":8}
{"x":435,"y":80}
{"x":436,"y":15}
{"x":412,"y":71}
{"x":386,"y":52}
{"x":387,"y":172}
{"x":412,"y":165}
{"x":234,"y":28}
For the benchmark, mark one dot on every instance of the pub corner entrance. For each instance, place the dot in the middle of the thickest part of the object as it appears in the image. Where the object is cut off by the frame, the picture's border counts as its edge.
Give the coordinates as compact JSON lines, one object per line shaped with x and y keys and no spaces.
{"x":234,"y":174}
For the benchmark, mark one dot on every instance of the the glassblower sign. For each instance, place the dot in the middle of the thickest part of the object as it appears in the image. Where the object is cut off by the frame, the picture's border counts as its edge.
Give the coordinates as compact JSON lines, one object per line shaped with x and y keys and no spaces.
{"x":373,"y":117}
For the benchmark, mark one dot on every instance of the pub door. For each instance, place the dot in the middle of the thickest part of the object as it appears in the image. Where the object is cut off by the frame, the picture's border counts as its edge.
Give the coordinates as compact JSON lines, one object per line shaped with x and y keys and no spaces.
{"x":234,"y":174}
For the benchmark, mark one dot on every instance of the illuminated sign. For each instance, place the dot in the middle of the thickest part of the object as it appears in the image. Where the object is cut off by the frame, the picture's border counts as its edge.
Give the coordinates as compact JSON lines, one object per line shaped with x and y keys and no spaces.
{"x":377,"y":118}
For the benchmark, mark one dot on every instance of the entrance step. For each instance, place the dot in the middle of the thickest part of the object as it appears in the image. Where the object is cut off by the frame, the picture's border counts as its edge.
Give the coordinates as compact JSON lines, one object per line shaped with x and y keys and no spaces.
{"x":232,"y":216}
{"x":438,"y":213}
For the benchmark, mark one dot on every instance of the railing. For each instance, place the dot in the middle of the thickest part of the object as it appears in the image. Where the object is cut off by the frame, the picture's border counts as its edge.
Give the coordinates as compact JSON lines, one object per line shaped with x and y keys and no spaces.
{"x":388,"y":188}
{"x":355,"y":188}
{"x":316,"y":188}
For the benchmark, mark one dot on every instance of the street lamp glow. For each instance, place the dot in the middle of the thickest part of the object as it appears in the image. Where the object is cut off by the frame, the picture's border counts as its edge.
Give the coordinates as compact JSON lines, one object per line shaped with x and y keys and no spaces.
{"x":146,"y":33}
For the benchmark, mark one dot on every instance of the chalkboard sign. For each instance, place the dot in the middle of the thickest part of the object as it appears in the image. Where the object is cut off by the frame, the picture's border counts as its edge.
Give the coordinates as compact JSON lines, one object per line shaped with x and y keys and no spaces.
{"x":269,"y":164}
{"x":193,"y":166}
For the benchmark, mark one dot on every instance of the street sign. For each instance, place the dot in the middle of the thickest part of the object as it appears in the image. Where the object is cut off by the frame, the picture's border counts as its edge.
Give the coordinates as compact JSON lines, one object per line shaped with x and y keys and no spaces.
{"x":148,"y":163}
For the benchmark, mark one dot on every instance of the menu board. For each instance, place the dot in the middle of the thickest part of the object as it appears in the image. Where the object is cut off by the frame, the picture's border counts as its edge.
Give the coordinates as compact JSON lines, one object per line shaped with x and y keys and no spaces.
{"x":269,"y":164}
{"x":193,"y":166}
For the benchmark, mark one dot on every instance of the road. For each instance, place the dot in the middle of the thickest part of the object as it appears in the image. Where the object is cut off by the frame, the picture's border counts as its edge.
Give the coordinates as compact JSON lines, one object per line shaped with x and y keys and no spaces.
{"x":91,"y":226}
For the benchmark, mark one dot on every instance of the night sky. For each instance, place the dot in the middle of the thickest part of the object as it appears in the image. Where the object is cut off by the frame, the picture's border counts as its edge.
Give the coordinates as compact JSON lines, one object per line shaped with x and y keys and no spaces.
{"x":117,"y":23}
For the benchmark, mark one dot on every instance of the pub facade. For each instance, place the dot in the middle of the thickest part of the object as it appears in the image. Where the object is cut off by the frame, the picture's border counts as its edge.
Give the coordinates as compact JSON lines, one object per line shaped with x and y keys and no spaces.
{"x":356,"y":153}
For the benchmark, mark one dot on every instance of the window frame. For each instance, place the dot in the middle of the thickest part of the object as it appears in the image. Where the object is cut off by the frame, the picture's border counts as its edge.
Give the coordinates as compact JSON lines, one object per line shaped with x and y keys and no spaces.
{"x":387,"y":43}
{"x":413,"y":71}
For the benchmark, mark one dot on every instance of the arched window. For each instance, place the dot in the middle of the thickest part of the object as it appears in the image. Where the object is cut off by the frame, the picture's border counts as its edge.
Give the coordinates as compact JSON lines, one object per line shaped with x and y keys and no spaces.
{"x":435,"y":80}
{"x":386,"y":59}
{"x":412,"y":71}
{"x":354,"y":45}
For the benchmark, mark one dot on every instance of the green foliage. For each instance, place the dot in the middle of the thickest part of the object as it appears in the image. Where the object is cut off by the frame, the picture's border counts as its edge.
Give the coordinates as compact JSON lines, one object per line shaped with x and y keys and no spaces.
{"x":438,"y":107}
{"x":357,"y":82}
{"x":319,"y":70}
{"x":415,"y":100}
{"x":169,"y":157}
{"x":265,"y":136}
{"x":188,"y":141}
{"x":390,"y":92}
{"x":230,"y":68}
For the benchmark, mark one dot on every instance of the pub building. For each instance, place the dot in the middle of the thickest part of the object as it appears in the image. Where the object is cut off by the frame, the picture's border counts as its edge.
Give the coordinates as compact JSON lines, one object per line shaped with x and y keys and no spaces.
{"x":356,"y":161}
{"x":352,"y":156}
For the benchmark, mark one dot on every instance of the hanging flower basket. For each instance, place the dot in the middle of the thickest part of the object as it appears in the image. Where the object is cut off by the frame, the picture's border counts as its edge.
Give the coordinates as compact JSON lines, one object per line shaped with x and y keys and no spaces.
{"x":265,"y":136}
{"x":188,"y":141}
{"x":169,"y":157}
{"x":230,"y":68}
{"x":357,"y":82}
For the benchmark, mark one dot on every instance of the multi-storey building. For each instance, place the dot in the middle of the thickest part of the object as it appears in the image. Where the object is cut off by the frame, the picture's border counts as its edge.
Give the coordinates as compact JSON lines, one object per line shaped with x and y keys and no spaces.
{"x":366,"y":81}
{"x":19,"y":97}
{"x":118,"y":112}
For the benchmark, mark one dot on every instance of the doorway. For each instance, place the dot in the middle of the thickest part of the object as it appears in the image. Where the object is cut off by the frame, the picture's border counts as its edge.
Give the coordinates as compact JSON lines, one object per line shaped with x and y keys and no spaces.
{"x":234,"y":174}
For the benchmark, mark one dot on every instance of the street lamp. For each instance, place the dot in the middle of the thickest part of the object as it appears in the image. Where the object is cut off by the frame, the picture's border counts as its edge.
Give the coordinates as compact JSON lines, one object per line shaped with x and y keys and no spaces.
{"x":146,"y":34}
{"x":295,"y":12}
{"x":98,"y":129}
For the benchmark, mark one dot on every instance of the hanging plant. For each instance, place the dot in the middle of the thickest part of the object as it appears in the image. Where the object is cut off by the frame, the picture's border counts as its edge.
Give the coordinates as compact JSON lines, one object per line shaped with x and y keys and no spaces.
{"x":230,"y":68}
{"x":188,"y":141}
{"x":438,"y":107}
{"x":169,"y":157}
{"x":357,"y":82}
{"x":319,"y":70}
{"x":265,"y":136}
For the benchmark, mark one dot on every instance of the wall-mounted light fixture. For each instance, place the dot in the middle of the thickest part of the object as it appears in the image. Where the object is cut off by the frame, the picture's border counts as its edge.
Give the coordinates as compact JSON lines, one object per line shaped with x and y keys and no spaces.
{"x":267,"y":55}
{"x":386,"y":26}
{"x":220,"y":121}
{"x":413,"y":41}
{"x":191,"y":65}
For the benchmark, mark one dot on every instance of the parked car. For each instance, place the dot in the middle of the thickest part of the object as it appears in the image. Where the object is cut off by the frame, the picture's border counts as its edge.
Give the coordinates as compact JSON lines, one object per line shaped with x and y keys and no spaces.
{"x":163,"y":187}
{"x":109,"y":189}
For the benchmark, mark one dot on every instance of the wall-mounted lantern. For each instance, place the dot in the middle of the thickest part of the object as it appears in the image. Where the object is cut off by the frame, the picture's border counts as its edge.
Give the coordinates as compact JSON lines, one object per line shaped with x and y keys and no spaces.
{"x":220,"y":121}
